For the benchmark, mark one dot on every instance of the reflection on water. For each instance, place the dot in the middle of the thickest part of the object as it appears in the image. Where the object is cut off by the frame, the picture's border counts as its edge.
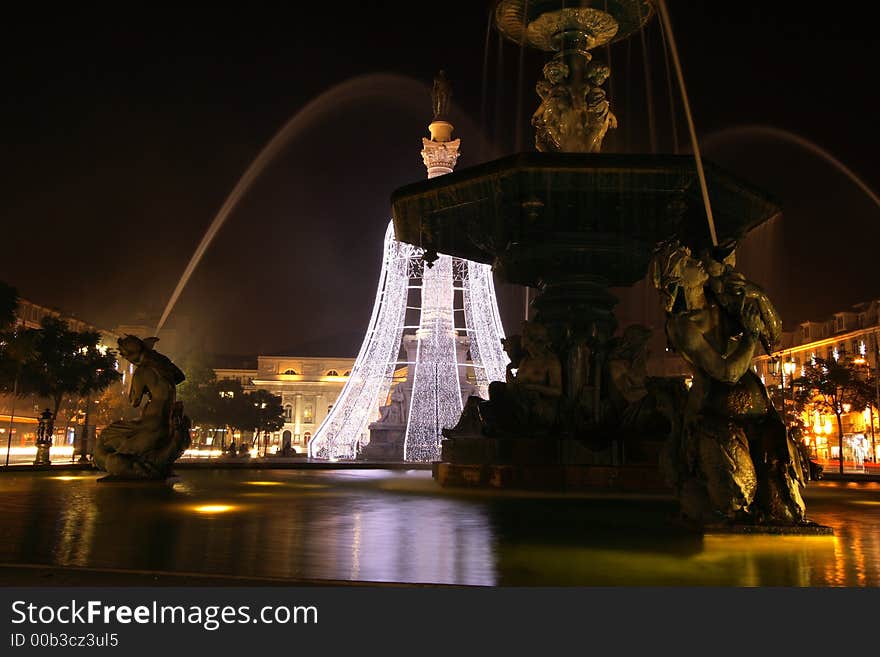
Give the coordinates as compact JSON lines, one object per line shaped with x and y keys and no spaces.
{"x":373,"y":525}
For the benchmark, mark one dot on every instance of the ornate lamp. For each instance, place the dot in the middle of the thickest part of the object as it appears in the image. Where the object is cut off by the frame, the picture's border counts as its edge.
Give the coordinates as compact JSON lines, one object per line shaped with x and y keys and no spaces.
{"x":45,"y":429}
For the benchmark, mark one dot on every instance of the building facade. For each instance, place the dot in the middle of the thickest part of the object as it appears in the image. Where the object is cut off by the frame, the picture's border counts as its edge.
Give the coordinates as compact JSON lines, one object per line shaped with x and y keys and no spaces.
{"x":308,"y":387}
{"x":851,"y":333}
{"x":19,"y":414}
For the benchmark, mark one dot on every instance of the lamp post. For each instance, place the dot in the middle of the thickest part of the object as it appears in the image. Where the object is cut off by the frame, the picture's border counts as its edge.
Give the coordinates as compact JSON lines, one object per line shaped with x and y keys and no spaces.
{"x":45,"y":429}
{"x":876,"y":393}
{"x":788,"y":369}
{"x":11,"y":421}
{"x":785,"y":368}
{"x":84,"y":440}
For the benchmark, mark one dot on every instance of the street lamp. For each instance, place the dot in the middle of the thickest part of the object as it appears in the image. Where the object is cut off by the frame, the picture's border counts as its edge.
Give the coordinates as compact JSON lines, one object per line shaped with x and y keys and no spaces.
{"x":45,"y":429}
{"x":787,"y":368}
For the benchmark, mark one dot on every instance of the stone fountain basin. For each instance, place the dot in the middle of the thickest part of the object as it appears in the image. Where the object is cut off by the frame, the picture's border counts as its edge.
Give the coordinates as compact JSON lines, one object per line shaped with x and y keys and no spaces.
{"x":540,"y":216}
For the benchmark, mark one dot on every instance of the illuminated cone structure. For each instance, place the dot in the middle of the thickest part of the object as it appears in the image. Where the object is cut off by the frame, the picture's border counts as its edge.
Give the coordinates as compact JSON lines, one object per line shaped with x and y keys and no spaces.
{"x":445,"y":317}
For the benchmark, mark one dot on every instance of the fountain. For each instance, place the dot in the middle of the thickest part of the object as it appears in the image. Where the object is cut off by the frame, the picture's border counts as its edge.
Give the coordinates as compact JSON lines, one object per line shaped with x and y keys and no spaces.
{"x":572,"y":222}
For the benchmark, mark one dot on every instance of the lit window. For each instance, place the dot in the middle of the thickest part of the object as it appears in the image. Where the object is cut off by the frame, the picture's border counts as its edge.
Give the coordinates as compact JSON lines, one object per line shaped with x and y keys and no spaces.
{"x":290,"y":372}
{"x":332,"y":373}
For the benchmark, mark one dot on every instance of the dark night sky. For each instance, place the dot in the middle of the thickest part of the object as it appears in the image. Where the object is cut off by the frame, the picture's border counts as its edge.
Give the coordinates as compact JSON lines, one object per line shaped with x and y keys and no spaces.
{"x":122,"y":135}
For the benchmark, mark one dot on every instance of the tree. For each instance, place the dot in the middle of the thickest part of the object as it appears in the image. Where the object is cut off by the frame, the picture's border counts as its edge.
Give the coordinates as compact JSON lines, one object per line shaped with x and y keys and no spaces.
{"x":831,"y":385}
{"x":790,"y":406}
{"x":68,"y":363}
{"x":268,"y":412}
{"x":200,"y":393}
{"x":17,"y":351}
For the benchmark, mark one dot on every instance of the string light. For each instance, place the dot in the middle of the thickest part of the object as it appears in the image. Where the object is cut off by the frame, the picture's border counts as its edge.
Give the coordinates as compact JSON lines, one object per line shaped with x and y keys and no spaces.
{"x":346,"y":426}
{"x":439,"y":373}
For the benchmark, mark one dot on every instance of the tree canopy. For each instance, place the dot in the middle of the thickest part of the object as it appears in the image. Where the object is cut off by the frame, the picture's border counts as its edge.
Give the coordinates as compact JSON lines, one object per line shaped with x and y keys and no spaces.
{"x":67,"y":363}
{"x":837,"y":387}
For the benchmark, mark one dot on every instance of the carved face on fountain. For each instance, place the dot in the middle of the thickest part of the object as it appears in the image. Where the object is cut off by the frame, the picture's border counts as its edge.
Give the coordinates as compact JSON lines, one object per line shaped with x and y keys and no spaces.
{"x":673,"y":270}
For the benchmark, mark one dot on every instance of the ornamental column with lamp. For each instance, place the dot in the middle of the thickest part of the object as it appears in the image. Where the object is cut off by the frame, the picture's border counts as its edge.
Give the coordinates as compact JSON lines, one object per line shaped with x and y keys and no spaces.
{"x":785,"y":370}
{"x":788,"y":369}
{"x":45,"y":429}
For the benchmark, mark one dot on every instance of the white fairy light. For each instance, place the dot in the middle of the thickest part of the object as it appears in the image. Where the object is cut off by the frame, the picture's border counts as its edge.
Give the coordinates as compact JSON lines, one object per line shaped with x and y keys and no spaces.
{"x":440,"y":369}
{"x":345,"y":427}
{"x":436,"y":397}
{"x":484,"y":326}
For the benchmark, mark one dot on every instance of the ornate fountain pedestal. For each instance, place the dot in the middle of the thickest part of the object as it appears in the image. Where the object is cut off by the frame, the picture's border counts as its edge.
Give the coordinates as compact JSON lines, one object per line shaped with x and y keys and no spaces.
{"x":577,"y":409}
{"x":571,"y":226}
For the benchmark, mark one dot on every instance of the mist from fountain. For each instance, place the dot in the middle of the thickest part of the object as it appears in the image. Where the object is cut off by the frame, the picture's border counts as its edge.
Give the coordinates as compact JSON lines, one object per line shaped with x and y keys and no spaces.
{"x":758,"y":130}
{"x":371,"y":85}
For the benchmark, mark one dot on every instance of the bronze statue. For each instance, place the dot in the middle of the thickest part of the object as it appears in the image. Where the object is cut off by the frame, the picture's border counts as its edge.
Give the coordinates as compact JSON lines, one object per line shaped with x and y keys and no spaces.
{"x":735,"y":462}
{"x":574,"y":114}
{"x":441,"y":94}
{"x":147,"y":447}
{"x":529,"y":401}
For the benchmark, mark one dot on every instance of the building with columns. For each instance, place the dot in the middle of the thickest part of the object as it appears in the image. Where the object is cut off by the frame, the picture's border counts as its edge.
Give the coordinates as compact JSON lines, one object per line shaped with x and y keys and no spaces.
{"x":308,"y":386}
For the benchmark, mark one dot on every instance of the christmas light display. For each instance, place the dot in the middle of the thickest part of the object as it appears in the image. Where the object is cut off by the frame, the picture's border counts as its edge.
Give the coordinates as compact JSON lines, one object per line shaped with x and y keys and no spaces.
{"x":458,"y":317}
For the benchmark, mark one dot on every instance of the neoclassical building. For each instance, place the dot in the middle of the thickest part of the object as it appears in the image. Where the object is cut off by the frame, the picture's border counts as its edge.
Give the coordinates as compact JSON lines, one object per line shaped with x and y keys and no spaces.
{"x":308,"y":387}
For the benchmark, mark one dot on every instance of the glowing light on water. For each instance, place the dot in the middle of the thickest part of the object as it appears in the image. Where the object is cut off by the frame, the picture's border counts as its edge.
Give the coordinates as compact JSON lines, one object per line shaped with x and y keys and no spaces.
{"x":264,"y":483}
{"x":213,"y":508}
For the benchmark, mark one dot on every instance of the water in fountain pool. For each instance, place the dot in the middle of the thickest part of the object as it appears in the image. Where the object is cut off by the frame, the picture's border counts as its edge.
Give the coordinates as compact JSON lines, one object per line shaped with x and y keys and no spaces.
{"x":384,"y":526}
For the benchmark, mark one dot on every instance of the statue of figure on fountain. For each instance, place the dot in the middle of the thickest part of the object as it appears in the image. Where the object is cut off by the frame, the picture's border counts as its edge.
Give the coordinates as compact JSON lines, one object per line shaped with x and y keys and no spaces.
{"x":529,"y":401}
{"x":734,"y":462}
{"x":147,"y":447}
{"x":574,"y":114}
{"x":441,"y":94}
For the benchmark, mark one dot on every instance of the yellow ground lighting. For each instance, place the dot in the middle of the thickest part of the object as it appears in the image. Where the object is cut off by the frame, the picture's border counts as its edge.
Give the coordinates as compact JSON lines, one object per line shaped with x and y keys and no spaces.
{"x":264,"y":483}
{"x":213,"y":508}
{"x":69,"y":478}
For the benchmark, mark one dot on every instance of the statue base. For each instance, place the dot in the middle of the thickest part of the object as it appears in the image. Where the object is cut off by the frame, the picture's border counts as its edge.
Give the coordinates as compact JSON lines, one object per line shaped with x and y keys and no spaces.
{"x":386,"y":443}
{"x":42,"y":457}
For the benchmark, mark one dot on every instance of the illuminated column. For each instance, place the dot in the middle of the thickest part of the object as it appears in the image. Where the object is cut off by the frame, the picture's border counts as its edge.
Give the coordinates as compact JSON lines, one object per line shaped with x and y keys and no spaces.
{"x":436,"y":397}
{"x":437,"y":375}
{"x":440,"y":152}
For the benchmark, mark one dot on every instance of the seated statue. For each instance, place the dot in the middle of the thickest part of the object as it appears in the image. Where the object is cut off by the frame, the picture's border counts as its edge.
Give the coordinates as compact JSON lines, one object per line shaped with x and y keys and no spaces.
{"x":528,"y":403}
{"x":147,"y":447}
{"x":736,"y":461}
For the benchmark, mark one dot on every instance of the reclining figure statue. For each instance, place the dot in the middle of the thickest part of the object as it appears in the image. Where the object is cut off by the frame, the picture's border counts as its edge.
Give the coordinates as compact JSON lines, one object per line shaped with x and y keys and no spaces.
{"x":147,"y":447}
